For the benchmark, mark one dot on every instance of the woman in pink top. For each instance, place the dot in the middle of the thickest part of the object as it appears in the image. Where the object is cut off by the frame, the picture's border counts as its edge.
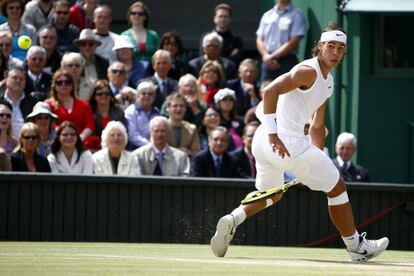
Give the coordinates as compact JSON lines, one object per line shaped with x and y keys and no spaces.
{"x":67,"y":107}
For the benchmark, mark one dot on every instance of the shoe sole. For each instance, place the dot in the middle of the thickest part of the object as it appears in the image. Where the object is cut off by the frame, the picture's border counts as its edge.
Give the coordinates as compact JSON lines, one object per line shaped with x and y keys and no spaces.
{"x":218,"y":241}
{"x":363,"y":258}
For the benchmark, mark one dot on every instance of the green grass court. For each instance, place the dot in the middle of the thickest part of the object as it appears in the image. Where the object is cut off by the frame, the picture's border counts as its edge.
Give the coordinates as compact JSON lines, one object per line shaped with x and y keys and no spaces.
{"x":56,"y":258}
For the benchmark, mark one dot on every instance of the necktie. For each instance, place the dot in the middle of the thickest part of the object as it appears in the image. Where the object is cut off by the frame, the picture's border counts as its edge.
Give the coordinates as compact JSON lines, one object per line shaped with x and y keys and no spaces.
{"x":158,"y":167}
{"x":218,"y":166}
{"x":163,"y":87}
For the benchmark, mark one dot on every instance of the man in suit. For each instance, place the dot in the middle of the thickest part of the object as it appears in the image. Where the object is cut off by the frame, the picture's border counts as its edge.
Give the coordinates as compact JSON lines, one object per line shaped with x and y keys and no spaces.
{"x":345,"y":149}
{"x":22,"y":104}
{"x":215,"y":161}
{"x":161,"y":63}
{"x":245,"y":86}
{"x":183,"y":135}
{"x":37,"y":81}
{"x":212,"y":47}
{"x":157,"y":157}
{"x":244,"y":155}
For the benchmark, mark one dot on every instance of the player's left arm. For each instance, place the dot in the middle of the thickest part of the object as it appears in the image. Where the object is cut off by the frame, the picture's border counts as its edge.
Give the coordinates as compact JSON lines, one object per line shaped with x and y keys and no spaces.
{"x":317,"y":127}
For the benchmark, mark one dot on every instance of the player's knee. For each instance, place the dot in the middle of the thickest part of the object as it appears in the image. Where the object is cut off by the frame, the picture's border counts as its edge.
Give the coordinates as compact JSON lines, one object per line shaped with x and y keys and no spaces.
{"x":339,"y":199}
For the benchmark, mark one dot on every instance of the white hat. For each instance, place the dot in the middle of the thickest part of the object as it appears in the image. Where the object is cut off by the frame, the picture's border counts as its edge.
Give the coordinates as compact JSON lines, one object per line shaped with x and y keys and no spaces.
{"x":122,"y":42}
{"x":41,"y":108}
{"x":87,"y":35}
{"x":222,"y":93}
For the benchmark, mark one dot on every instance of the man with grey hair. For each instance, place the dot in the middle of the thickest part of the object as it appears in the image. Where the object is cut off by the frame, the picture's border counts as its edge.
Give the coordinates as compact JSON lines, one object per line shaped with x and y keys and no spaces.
{"x":139,"y":114}
{"x":345,"y":148}
{"x":157,"y":157}
{"x":161,"y":63}
{"x":212,"y":47}
{"x":37,"y":81}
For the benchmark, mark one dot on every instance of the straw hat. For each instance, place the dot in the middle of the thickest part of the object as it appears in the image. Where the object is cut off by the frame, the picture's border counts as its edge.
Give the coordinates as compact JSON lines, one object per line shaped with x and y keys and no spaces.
{"x":86,"y":35}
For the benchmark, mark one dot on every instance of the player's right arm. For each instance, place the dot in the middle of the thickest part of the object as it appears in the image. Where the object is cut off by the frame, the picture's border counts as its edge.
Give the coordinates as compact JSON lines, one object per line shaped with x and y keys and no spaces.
{"x":299,"y":77}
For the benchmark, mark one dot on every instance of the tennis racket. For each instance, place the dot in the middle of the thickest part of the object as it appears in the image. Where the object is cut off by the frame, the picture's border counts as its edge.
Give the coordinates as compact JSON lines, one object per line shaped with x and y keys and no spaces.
{"x":269,"y":193}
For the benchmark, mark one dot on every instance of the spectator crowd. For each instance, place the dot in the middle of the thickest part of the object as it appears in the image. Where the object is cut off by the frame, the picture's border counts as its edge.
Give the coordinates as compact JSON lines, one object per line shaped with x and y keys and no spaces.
{"x":86,"y":100}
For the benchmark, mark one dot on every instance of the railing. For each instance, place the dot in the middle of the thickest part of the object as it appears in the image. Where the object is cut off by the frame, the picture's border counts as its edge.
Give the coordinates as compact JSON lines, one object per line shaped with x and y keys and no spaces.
{"x":47,"y":207}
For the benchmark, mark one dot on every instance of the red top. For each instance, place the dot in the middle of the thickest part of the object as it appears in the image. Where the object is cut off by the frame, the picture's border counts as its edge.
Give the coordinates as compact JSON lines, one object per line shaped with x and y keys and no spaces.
{"x":77,"y":18}
{"x":105,"y":121}
{"x":81,"y":114}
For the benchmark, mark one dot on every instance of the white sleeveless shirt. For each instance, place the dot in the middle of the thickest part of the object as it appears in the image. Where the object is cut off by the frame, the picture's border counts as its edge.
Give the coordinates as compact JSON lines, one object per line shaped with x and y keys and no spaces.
{"x":295,"y":108}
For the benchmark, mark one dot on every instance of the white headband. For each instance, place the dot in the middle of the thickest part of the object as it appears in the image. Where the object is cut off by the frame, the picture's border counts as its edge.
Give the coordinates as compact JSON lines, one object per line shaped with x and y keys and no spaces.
{"x":333,"y":36}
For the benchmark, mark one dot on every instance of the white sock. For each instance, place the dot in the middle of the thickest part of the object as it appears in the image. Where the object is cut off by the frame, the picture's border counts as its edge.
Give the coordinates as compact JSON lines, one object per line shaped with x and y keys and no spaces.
{"x":239,"y":216}
{"x":352,"y":242}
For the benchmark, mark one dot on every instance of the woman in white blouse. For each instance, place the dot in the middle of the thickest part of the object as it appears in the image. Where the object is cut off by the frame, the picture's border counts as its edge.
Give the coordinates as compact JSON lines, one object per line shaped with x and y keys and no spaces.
{"x":113,"y":158}
{"x":68,"y":155}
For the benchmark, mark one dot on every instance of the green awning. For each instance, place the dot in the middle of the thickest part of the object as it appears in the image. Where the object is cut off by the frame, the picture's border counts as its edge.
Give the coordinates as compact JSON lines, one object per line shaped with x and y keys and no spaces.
{"x":378,"y":6}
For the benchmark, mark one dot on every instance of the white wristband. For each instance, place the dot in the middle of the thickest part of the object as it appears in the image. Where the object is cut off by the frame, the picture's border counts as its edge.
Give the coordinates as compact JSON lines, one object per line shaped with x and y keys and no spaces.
{"x":269,"y":122}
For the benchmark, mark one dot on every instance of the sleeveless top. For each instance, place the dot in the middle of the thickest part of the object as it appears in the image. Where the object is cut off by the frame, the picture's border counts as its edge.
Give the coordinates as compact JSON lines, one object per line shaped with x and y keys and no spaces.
{"x":295,"y":108}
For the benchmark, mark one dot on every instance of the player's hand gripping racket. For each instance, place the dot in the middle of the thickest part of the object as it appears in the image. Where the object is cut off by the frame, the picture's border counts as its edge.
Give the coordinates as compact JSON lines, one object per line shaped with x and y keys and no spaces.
{"x":269,"y":193}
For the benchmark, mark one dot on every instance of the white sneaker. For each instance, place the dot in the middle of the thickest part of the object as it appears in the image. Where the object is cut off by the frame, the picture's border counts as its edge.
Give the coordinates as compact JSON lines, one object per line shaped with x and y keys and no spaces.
{"x":223,"y":236}
{"x":368,"y":249}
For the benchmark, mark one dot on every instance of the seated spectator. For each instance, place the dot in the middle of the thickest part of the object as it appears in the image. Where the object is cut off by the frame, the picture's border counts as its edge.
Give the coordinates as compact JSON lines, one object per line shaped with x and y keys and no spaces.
{"x":5,"y":163}
{"x":215,"y":161}
{"x":225,"y":100}
{"x":144,"y":40}
{"x":7,"y":142}
{"x":212,"y":46}
{"x":188,"y":87}
{"x":96,"y":67}
{"x":232,"y":45}
{"x":171,"y":42}
{"x":6,"y":43}
{"x":45,"y":120}
{"x":346,"y":145}
{"x":210,"y":120}
{"x":182,"y":134}
{"x":246,"y":88}
{"x":48,"y":41}
{"x":139,"y":114}
{"x":22,"y":104}
{"x":210,"y":80}
{"x":250,"y":115}
{"x":124,"y":52}
{"x":81,"y":14}
{"x":13,"y":10}
{"x":105,"y":109}
{"x":118,"y":77}
{"x":38,"y":13}
{"x":102,"y":18}
{"x":74,"y":63}
{"x":113,"y":159}
{"x":244,"y":155}
{"x":66,"y":32}
{"x":68,"y":153}
{"x":37,"y":81}
{"x":67,"y":107}
{"x":157,"y":157}
{"x":25,"y":157}
{"x":161,"y":63}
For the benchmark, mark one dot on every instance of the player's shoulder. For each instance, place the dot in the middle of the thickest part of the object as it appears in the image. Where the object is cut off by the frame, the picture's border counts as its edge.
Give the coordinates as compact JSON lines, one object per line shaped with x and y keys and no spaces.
{"x":305,"y":73}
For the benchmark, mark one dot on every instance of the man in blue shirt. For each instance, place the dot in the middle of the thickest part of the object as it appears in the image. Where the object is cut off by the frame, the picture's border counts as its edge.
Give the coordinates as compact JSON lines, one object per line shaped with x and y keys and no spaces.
{"x":278,"y":37}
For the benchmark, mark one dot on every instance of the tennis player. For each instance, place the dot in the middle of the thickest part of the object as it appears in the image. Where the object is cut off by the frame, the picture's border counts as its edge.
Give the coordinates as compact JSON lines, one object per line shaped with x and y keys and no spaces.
{"x":289,"y":102}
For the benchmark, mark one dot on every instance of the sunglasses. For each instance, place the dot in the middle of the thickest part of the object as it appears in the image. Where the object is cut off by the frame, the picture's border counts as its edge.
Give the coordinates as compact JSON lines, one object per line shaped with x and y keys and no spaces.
{"x":37,"y":59}
{"x":63,"y":82}
{"x":147,"y":94}
{"x":69,"y":134}
{"x":48,"y":37}
{"x":138,"y":13}
{"x":118,"y":71}
{"x":14,"y":8}
{"x":42,"y":117}
{"x":106,"y":94}
{"x":30,"y":137}
{"x":62,"y":12}
{"x":5,"y":115}
{"x":71,"y":65}
{"x":89,"y":44}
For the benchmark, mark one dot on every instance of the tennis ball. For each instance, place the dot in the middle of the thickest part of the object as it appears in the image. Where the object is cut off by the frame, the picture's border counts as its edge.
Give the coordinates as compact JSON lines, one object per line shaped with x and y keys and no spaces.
{"x":24,"y":42}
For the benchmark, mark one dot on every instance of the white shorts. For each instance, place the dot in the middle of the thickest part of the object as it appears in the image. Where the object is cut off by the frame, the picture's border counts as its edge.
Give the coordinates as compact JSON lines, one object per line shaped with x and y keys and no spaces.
{"x":308,"y":163}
